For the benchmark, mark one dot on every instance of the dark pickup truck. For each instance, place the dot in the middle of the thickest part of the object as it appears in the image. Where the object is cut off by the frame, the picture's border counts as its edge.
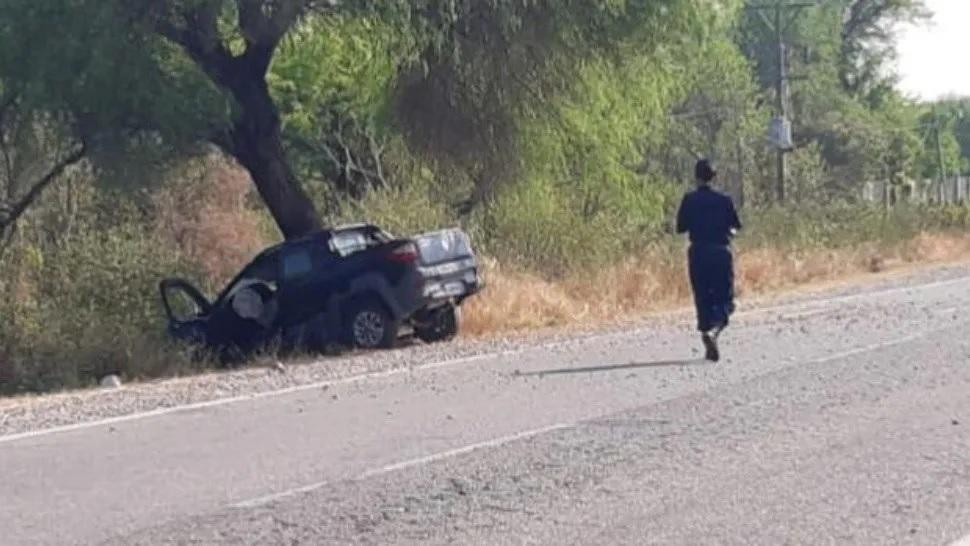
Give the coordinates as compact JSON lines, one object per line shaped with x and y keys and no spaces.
{"x":355,"y":285}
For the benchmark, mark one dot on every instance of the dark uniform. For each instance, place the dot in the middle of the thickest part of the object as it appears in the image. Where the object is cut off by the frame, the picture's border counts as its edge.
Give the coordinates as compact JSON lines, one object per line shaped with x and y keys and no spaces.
{"x":710,"y":218}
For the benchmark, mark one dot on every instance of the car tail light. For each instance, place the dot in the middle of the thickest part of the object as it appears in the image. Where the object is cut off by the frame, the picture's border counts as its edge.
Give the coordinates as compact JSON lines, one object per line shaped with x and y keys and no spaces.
{"x":406,"y":254}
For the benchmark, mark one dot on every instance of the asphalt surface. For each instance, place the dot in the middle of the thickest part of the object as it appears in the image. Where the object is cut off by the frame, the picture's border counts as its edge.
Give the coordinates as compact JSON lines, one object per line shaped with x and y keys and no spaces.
{"x":843,"y":419}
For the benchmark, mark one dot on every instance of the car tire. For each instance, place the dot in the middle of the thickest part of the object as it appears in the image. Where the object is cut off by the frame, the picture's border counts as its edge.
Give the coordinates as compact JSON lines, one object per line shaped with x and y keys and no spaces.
{"x":369,"y":325}
{"x":443,"y":326}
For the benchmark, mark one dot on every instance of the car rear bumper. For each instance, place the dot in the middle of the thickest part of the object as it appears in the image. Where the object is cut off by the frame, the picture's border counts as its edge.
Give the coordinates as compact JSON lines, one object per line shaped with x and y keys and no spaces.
{"x":451,"y":287}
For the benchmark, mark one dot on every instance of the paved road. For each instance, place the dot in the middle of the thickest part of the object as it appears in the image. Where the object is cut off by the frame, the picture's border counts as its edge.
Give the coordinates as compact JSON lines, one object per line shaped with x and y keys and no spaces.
{"x":837,"y":420}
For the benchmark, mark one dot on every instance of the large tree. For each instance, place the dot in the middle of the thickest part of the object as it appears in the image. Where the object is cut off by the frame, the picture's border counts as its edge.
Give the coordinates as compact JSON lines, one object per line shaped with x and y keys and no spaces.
{"x":868,"y":40}
{"x":237,"y":61}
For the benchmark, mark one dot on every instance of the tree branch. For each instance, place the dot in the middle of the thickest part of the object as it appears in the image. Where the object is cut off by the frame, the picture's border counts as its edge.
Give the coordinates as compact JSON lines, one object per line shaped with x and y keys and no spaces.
{"x":253,"y":23}
{"x":195,"y":30}
{"x":263,"y":23}
{"x":6,"y":104}
{"x":286,"y":14}
{"x":10,"y":216}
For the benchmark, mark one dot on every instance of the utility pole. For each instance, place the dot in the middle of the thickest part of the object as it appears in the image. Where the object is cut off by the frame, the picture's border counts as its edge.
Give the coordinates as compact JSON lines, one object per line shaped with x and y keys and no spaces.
{"x":739,"y":195}
{"x":941,"y":165}
{"x":785,"y":14}
{"x":781,"y":89}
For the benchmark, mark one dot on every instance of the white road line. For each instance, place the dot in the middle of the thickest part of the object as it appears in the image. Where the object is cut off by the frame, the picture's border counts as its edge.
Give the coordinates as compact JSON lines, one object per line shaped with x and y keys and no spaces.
{"x":870,"y":348}
{"x":498,"y":442}
{"x":261,"y":501}
{"x":809,"y":304}
{"x":244,"y":398}
{"x":495,"y":442}
{"x":461,"y":451}
{"x":891,"y":291}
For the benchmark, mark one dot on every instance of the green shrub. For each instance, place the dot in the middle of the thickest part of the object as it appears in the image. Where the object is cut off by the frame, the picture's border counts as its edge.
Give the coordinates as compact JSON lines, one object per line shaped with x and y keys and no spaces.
{"x":84,"y":307}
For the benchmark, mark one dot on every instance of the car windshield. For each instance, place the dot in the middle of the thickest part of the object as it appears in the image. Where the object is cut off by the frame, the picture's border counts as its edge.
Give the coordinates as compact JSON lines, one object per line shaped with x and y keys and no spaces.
{"x":263,"y":270}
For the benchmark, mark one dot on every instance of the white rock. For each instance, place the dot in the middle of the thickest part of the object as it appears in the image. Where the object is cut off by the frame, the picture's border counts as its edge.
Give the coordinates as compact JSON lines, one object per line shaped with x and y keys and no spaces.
{"x":111,"y":381}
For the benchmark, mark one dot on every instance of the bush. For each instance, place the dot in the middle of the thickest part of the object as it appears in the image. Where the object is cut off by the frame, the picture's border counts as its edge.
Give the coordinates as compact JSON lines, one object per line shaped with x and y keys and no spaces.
{"x":401,"y":210}
{"x":85,"y":307}
{"x":83,"y":302}
{"x":552,"y":229}
{"x":209,"y":214}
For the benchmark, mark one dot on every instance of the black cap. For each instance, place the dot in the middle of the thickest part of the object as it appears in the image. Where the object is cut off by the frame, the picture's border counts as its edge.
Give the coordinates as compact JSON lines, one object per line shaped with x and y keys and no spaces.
{"x":704,"y":171}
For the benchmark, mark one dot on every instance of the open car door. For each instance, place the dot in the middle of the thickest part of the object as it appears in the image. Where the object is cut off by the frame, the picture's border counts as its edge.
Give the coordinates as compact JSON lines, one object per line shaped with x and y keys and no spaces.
{"x":185,"y":308}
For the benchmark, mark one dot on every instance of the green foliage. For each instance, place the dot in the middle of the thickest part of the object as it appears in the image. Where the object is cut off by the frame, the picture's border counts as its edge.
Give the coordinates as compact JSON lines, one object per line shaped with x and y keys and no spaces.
{"x":868,"y":42}
{"x":471,"y":106}
{"x":843,"y":102}
{"x":588,"y":187}
{"x":590,"y":145}
{"x":834,"y":226}
{"x":944,"y":133}
{"x":403,"y":209}
{"x":542,"y":228}
{"x":853,"y":41}
{"x":720,"y":116}
{"x":958,"y":110}
{"x":344,"y":64}
{"x":95,"y":73}
{"x":333,"y":80}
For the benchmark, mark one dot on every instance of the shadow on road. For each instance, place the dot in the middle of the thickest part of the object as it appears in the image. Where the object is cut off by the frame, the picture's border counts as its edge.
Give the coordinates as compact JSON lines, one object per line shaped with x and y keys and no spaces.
{"x":615,"y":367}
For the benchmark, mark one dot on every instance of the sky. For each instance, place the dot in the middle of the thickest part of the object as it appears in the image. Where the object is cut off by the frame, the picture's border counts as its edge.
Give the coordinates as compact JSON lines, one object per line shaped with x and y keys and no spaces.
{"x":932,"y":57}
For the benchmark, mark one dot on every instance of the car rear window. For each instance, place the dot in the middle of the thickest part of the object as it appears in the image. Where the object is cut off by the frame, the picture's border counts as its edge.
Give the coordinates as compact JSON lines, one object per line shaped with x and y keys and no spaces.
{"x":443,"y":246}
{"x":345,"y":243}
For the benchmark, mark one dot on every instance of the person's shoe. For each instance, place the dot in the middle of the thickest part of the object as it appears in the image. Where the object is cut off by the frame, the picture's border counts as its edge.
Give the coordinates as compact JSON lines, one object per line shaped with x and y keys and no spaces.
{"x":710,"y":346}
{"x":717,"y":329}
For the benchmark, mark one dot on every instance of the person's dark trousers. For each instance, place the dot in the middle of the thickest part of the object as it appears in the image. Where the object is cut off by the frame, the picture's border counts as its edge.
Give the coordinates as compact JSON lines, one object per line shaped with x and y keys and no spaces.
{"x":712,"y":280}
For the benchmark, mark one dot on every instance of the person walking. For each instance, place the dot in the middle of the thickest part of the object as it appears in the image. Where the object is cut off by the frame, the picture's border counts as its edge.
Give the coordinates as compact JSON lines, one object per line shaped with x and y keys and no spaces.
{"x":710,"y":219}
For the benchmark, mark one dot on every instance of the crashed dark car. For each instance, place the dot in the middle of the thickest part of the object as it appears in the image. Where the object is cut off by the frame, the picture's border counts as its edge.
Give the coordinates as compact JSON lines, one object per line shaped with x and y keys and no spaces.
{"x":354,"y":285}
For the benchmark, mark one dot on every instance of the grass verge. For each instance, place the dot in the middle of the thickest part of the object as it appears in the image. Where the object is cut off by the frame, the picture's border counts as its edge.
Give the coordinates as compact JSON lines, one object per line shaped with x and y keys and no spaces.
{"x":656,"y":280}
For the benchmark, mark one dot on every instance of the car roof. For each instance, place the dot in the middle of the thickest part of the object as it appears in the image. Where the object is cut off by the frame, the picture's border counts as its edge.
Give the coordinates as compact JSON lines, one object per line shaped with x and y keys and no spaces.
{"x":350,"y":227}
{"x":319,"y":235}
{"x":322,"y":235}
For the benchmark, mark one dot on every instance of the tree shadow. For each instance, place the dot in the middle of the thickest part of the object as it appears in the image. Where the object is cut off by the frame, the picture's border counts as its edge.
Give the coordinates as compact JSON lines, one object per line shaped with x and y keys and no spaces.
{"x":615,"y":367}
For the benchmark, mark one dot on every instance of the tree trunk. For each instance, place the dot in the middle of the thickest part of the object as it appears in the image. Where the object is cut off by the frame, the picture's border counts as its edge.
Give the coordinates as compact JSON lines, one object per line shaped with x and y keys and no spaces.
{"x":256,"y":142}
{"x":255,"y":138}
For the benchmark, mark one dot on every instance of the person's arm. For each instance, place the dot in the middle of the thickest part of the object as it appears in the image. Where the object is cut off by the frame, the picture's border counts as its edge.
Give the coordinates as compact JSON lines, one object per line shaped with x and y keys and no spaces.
{"x":683,"y":220}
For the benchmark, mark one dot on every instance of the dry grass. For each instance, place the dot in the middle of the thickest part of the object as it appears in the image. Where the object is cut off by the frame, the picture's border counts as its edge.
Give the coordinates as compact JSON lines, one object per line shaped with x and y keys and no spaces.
{"x":212,"y":222}
{"x":516,"y":301}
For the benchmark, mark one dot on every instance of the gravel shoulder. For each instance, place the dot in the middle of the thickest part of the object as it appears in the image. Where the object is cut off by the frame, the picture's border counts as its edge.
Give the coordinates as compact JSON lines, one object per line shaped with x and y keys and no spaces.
{"x":29,"y":413}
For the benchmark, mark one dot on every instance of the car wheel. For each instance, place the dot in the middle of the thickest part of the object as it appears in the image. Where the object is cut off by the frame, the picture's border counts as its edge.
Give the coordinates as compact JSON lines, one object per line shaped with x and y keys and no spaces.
{"x":370,"y":326}
{"x":443,"y":326}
